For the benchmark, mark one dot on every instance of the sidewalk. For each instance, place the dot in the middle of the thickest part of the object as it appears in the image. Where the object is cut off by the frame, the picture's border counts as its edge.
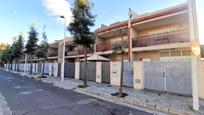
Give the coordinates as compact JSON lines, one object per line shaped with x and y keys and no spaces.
{"x":171,"y":104}
{"x":167,"y":103}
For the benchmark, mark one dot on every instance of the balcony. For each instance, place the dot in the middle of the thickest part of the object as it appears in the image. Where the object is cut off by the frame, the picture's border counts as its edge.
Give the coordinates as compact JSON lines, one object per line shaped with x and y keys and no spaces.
{"x":81,"y":51}
{"x":70,"y":53}
{"x":52,"y":55}
{"x":163,"y":38}
{"x":74,"y":52}
{"x":144,"y":41}
{"x":109,"y":46}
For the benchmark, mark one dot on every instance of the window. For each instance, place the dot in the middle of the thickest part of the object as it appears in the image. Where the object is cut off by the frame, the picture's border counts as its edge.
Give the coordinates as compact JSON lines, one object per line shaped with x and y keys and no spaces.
{"x":164,"y":54}
{"x":176,"y":53}
{"x":186,"y":53}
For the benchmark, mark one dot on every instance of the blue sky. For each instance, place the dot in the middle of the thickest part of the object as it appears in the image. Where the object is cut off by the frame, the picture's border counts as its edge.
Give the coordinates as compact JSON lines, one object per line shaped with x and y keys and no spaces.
{"x":18,"y":15}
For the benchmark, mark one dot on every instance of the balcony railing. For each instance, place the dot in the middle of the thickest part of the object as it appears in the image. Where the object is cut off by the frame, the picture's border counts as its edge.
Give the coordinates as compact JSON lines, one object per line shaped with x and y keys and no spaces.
{"x":143,"y":41}
{"x":163,"y":38}
{"x":70,"y":53}
{"x":81,"y":51}
{"x":74,"y":52}
{"x":52,"y":55}
{"x":110,"y":46}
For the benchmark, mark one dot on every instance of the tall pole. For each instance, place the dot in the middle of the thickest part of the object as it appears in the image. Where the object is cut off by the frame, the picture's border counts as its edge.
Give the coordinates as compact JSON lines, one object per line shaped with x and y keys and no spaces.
{"x":130,"y":37}
{"x":193,"y":35}
{"x":25,"y":65}
{"x":63,"y":50}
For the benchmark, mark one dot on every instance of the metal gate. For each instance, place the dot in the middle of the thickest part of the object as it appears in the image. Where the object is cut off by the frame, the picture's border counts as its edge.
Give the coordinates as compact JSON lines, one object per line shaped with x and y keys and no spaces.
{"x":39,"y":68}
{"x":128,"y":74}
{"x":52,"y":69}
{"x":171,"y":76}
{"x":69,"y":69}
{"x":59,"y":69}
{"x":178,"y":77}
{"x":153,"y":75}
{"x":46,"y":68}
{"x":105,"y":72}
{"x":91,"y":71}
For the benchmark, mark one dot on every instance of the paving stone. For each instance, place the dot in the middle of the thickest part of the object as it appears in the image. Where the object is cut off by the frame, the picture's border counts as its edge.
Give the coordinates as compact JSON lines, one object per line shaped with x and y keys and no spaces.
{"x":150,"y":106}
{"x":162,"y":108}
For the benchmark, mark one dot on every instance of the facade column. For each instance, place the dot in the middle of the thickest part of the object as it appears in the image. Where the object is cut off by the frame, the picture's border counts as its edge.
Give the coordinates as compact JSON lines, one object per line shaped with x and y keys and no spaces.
{"x":98,"y":72}
{"x":115,"y":73}
{"x":50,"y":69}
{"x":77,"y":70}
{"x":138,"y":75}
{"x":55,"y":69}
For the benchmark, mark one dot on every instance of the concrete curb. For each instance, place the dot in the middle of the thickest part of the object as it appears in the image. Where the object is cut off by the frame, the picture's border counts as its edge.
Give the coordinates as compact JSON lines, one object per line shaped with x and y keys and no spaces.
{"x":139,"y":103}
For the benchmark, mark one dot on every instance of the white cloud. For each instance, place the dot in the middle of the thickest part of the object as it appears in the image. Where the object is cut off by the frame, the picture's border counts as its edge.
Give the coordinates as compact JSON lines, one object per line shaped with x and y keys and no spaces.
{"x":59,"y":8}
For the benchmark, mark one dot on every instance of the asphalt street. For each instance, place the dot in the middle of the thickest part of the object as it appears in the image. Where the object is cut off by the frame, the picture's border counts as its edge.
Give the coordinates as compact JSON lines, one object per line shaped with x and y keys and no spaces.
{"x":26,"y":96}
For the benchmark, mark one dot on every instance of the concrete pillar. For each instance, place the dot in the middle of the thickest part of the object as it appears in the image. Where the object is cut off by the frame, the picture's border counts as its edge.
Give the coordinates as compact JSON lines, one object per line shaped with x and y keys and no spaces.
{"x":55,"y":69}
{"x":36,"y":68}
{"x":98,"y":72}
{"x":50,"y":69}
{"x":7,"y":66}
{"x":138,"y":75}
{"x":129,"y":40}
{"x":33,"y":68}
{"x":77,"y":70}
{"x":115,"y":69}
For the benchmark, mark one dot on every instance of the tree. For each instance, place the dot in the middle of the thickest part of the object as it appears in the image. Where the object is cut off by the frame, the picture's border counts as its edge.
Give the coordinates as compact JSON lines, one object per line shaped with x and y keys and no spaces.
{"x":2,"y":49}
{"x":120,"y":48}
{"x":17,"y":50}
{"x":3,"y":46}
{"x":80,"y":28}
{"x":42,"y":50}
{"x":31,"y":45}
{"x":7,"y":57}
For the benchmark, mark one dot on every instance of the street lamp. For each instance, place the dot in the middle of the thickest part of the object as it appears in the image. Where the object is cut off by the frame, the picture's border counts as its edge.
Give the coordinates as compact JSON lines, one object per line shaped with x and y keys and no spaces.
{"x":63,"y":50}
{"x":195,"y":51}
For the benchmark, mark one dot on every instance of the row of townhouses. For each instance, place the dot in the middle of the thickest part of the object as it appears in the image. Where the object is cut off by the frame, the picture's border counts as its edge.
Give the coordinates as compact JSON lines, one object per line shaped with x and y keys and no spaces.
{"x":158,"y":44}
{"x":159,"y":35}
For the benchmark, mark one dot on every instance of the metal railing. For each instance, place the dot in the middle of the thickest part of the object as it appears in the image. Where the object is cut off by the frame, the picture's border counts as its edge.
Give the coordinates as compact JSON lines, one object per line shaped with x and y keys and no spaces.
{"x":52,"y":55}
{"x":162,"y":38}
{"x":143,"y":41}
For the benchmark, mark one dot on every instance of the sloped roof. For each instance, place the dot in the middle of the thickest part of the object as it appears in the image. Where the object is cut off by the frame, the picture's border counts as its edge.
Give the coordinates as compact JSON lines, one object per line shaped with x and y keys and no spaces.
{"x":96,"y":57}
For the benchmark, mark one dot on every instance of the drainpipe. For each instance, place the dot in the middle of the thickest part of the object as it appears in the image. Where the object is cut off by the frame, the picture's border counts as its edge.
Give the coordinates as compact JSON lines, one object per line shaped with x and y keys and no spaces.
{"x":193,"y":37}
